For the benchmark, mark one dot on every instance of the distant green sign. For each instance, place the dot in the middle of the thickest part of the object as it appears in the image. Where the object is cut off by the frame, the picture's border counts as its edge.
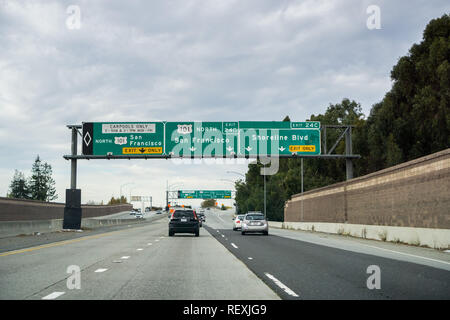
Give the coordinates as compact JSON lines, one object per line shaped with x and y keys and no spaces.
{"x":202,"y":139}
{"x":204,"y":194}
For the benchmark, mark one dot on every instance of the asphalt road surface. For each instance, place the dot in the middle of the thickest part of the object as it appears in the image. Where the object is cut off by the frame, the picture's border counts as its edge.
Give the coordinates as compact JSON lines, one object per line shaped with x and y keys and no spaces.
{"x":305,"y":265}
{"x":140,"y":261}
{"x":135,"y":262}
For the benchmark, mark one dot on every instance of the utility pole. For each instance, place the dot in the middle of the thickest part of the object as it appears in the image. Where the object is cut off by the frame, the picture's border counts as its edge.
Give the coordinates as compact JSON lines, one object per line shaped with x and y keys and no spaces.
{"x":265,"y":214}
{"x":302,"y":190}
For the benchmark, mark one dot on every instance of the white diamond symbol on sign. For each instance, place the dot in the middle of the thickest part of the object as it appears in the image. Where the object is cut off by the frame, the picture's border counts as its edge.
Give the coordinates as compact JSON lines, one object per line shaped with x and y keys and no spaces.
{"x":87,"y":138}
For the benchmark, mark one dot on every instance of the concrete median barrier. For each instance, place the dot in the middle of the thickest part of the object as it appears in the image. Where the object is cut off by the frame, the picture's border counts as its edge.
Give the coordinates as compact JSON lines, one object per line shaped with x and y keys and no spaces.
{"x":16,"y":228}
{"x":429,"y":237}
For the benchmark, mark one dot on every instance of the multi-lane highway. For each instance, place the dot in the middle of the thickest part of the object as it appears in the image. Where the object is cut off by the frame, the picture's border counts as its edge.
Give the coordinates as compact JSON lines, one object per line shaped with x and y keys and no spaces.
{"x":129,"y":262}
{"x":303,"y":265}
{"x":142,"y":262}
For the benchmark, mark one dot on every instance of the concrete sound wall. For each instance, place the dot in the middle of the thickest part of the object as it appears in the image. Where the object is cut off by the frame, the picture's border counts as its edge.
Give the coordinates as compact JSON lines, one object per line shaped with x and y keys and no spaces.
{"x":25,"y":210}
{"x":412,"y":194}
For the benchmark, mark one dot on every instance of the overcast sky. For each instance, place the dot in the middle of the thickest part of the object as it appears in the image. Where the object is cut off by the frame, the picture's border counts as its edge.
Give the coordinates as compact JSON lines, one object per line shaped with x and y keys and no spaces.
{"x":183,"y":60}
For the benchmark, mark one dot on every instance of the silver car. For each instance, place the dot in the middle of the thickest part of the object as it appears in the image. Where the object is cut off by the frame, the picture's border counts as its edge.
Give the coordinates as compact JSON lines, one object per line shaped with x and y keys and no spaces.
{"x":254,"y":222}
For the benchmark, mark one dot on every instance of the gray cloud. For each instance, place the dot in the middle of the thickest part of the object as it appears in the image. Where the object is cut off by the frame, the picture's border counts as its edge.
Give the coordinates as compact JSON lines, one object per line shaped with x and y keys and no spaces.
{"x":184,"y":60}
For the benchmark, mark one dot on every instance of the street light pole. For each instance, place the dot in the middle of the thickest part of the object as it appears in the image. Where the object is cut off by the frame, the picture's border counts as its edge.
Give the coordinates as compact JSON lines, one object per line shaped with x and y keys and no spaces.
{"x":123,"y":185}
{"x":302,"y":189}
{"x":264,"y":192}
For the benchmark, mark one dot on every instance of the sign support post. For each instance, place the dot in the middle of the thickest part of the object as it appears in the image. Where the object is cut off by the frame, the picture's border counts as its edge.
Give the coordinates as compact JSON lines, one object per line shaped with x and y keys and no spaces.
{"x":348,"y":151}
{"x":73,"y":164}
{"x":72,"y":209}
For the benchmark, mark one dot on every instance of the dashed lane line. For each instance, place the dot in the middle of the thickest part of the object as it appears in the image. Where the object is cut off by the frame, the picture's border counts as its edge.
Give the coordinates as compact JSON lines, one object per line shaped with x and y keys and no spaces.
{"x":53,"y":295}
{"x":281,"y":285}
{"x":100,"y":270}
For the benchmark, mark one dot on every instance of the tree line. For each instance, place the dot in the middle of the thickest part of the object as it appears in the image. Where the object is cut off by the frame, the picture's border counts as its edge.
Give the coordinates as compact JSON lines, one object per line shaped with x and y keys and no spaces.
{"x":39,"y":186}
{"x":411,"y":121}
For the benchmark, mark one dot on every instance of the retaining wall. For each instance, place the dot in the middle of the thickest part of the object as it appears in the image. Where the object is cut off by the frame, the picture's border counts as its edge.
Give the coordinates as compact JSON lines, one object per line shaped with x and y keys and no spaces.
{"x":412,"y":194}
{"x":26,"y":210}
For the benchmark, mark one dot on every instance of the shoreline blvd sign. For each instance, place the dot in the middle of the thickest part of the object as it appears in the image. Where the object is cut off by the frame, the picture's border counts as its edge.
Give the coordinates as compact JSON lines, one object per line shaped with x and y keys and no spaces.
{"x":201,"y":139}
{"x":204,"y":194}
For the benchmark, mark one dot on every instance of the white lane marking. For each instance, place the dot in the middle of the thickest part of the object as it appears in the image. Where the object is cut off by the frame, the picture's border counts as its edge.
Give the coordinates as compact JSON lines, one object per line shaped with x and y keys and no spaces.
{"x":157,"y":240}
{"x":223,"y":236}
{"x":234,"y":245}
{"x":100,"y":270}
{"x":161,"y":237}
{"x":366,"y":245}
{"x":281,"y":285}
{"x":407,"y":254}
{"x":149,"y":244}
{"x":53,"y":295}
{"x":139,"y":249}
{"x":217,"y":231}
{"x":250,"y":258}
{"x":125,"y":257}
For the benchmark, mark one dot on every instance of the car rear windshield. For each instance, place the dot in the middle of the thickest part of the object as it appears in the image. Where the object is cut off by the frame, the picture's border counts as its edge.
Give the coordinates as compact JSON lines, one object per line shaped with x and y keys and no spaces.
{"x":241,"y":217}
{"x":183,"y":213}
{"x":254,"y":217}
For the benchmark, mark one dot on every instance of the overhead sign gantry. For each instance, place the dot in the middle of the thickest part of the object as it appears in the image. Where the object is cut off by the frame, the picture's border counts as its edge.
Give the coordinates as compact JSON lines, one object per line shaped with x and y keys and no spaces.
{"x":166,"y":140}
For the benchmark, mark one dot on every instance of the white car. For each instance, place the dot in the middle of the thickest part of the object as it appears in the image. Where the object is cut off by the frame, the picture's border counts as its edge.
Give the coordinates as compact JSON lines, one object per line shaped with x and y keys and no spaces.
{"x":237,"y":221}
{"x":139,"y":215}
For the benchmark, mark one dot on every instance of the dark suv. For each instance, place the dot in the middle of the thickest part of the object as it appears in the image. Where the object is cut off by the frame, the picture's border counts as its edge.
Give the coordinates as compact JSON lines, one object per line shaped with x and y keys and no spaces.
{"x":184,"y":221}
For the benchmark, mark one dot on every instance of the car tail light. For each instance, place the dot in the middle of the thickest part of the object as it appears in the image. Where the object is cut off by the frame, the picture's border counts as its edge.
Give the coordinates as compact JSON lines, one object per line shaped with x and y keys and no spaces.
{"x":238,"y":221}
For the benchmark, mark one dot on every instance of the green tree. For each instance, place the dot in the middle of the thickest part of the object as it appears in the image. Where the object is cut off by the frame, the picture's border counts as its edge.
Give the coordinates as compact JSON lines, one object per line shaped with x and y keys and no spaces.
{"x":41,"y":183}
{"x":117,"y":200}
{"x":207,"y":203}
{"x":19,"y":187}
{"x":413,"y":119}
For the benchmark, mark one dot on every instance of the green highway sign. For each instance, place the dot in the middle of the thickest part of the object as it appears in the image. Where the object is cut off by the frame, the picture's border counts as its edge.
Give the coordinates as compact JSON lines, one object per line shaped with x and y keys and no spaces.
{"x":124,"y":138}
{"x":204,"y":194}
{"x":279,"y":137}
{"x":201,"y":139}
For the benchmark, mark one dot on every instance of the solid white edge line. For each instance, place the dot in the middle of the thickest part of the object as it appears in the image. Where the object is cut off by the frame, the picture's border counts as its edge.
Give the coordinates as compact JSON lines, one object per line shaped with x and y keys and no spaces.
{"x":125,"y":257}
{"x":374,"y":247}
{"x":234,"y":245}
{"x":407,"y":254}
{"x":100,"y":270}
{"x":53,"y":295}
{"x":281,"y":285}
